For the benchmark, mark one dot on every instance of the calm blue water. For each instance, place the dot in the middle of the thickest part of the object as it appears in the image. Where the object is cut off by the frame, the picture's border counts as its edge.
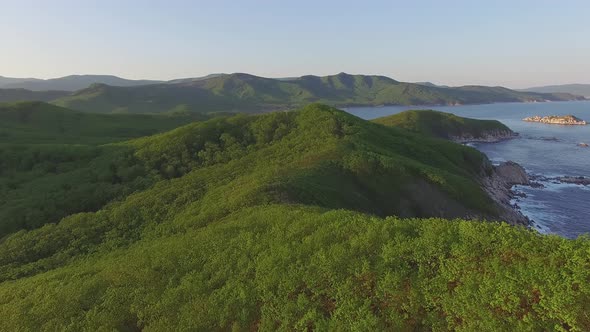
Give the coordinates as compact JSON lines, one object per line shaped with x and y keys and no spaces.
{"x":548,"y":150}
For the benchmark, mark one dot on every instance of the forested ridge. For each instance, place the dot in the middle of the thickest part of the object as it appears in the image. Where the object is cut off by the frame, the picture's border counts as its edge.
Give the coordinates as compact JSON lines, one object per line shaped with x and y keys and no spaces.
{"x":305,"y":220}
{"x":249,"y":93}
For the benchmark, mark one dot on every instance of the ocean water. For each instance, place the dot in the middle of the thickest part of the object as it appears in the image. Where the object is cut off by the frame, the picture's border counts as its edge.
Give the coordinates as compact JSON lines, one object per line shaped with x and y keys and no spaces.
{"x":542,"y":149}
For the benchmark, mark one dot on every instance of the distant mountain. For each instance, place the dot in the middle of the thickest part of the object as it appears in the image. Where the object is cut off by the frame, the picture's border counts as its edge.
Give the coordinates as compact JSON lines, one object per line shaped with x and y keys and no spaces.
{"x":193,"y":79}
{"x":244,"y":92}
{"x":69,"y":83}
{"x":576,"y":89}
{"x":11,"y":80}
{"x":432,"y":84}
{"x":42,"y":123}
{"x":13,"y":95}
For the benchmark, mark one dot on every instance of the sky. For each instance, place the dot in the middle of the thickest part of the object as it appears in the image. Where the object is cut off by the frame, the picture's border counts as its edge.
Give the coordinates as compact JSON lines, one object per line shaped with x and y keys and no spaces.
{"x":517,"y":43}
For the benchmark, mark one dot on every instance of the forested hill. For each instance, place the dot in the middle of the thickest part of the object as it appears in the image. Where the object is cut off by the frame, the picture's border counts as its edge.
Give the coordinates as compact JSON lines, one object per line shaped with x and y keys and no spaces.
{"x":280,"y":221}
{"x":15,"y":95}
{"x":53,"y":161}
{"x":38,"y":122}
{"x":243,"y":92}
{"x":447,"y":125}
{"x":335,"y":173}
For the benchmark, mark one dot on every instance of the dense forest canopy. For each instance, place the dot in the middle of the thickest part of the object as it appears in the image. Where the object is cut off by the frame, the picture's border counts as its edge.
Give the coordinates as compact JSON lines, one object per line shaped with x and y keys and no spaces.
{"x":311,"y":219}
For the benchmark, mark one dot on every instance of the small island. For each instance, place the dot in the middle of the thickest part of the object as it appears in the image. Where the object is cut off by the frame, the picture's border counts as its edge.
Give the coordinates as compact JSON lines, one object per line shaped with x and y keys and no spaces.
{"x":555,"y":119}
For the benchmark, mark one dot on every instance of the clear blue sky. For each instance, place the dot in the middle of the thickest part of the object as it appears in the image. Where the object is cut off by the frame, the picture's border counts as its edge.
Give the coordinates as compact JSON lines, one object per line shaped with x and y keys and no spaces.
{"x":514,"y":43}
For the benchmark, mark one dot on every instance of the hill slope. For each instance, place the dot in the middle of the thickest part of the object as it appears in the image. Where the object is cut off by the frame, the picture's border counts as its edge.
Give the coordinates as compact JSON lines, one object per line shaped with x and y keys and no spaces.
{"x":245,"y":92}
{"x":69,"y":83}
{"x":52,"y":162}
{"x":336,"y":173}
{"x":14,"y":95}
{"x":577,"y":89}
{"x":12,"y":80}
{"x":272,"y":222}
{"x":38,"y":122}
{"x":448,"y":126}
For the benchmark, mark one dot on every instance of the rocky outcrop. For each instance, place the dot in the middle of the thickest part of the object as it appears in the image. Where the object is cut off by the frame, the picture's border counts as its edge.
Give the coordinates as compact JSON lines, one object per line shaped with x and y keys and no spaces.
{"x":554,"y":119}
{"x":512,"y":173}
{"x":488,"y":136}
{"x":498,"y":184}
{"x":584,"y":181}
{"x":580,"y":180}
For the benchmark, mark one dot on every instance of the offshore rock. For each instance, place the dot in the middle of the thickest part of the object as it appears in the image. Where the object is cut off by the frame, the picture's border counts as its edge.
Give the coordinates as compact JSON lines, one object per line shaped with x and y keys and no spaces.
{"x":555,"y":119}
{"x":584,"y":181}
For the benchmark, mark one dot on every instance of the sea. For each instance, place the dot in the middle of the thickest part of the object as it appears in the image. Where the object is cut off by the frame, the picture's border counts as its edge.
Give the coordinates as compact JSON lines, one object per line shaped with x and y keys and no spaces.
{"x":544,"y":150}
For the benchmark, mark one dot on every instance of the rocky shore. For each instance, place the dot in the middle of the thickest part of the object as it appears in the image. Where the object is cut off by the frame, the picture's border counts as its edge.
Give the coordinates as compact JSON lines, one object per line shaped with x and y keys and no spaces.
{"x":489,"y":136}
{"x":555,"y":119}
{"x":498,"y":184}
{"x":579,"y":180}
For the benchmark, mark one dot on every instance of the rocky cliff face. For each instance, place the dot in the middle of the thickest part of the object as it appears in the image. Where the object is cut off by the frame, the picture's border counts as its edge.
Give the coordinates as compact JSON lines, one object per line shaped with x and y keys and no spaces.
{"x":488,"y":136}
{"x":498,"y":184}
{"x":554,"y":119}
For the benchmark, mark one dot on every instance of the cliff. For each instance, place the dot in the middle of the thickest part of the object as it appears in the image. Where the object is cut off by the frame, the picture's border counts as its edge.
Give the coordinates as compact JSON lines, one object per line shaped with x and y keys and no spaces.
{"x":498,"y":184}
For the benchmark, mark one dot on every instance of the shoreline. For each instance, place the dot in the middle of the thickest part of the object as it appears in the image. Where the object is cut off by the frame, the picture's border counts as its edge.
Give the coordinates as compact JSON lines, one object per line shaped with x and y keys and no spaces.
{"x":512,"y":195}
{"x":499,"y":185}
{"x":345,"y":107}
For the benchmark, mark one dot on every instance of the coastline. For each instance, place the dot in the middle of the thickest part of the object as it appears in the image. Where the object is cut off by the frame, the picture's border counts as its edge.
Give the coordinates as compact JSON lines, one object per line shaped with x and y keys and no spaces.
{"x":504,"y":183}
{"x":498,"y":181}
{"x":345,"y":107}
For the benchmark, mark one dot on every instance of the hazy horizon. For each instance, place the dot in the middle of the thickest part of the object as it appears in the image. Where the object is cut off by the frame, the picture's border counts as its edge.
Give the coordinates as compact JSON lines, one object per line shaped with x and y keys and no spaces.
{"x":516,"y":45}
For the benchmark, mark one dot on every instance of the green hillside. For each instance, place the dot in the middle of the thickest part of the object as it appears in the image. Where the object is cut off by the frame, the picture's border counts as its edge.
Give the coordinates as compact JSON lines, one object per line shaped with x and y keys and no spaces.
{"x":245,"y":92}
{"x":15,"y":95}
{"x":37,"y":122}
{"x":337,"y":172}
{"x":284,"y":221}
{"x":445,"y":125}
{"x":53,"y":163}
{"x":578,"y":89}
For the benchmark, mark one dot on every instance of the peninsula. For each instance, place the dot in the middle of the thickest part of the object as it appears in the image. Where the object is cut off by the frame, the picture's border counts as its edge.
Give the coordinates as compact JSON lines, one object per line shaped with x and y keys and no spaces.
{"x":555,"y":119}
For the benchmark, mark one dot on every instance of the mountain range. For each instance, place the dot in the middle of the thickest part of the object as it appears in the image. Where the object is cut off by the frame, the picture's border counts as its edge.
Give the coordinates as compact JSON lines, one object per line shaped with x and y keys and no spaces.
{"x":68,"y":83}
{"x":576,"y":89}
{"x":244,"y":92}
{"x":14,"y":95}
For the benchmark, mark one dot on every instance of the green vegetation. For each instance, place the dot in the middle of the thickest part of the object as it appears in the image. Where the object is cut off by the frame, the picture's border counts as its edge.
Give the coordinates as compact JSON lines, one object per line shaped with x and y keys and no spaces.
{"x":14,"y":95}
{"x":52,"y":163}
{"x":444,"y":125}
{"x":245,"y":92}
{"x":283,"y":221}
{"x":37,"y":122}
